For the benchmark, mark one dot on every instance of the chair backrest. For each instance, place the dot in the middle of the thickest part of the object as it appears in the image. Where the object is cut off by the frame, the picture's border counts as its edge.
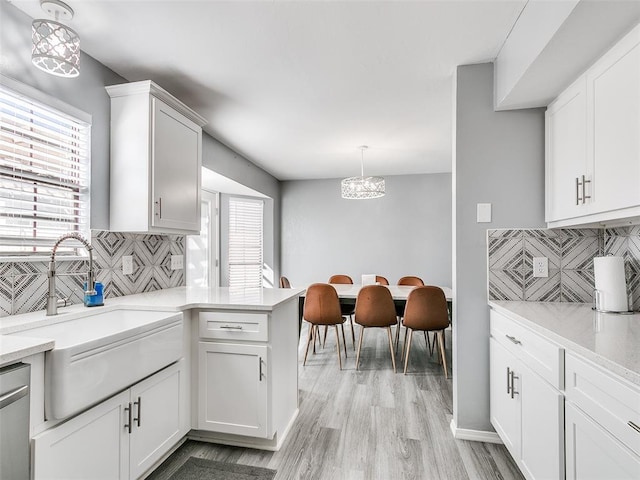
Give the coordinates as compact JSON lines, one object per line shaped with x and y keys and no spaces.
{"x":382,"y":280}
{"x":284,"y":282}
{"x":375,"y":307}
{"x":321,"y":305}
{"x":426,"y":309}
{"x":343,"y":279}
{"x":411,"y":281}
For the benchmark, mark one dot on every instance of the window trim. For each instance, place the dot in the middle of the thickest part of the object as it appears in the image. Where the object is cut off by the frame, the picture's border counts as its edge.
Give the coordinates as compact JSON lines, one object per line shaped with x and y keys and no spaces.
{"x":31,"y":94}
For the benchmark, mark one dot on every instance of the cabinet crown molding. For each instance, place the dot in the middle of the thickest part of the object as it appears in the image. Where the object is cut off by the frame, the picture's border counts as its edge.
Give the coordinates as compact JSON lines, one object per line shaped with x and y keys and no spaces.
{"x":148,"y":87}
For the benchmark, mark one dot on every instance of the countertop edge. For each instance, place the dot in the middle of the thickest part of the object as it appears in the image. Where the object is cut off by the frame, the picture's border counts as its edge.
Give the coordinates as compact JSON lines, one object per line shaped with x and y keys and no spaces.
{"x":569,"y":346}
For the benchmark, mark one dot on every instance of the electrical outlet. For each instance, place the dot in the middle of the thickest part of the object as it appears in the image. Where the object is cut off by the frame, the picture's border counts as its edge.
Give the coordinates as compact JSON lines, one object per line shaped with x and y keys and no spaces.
{"x":177,"y":262}
{"x":127,"y":264}
{"x":540,"y":267}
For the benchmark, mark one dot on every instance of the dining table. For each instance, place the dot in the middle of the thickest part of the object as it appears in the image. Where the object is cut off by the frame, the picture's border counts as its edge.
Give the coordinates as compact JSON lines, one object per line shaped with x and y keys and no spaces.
{"x":348,"y":293}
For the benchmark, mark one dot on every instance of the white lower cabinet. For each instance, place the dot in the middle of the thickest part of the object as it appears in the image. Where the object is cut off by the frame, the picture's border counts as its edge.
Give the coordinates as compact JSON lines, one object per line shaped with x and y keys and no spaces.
{"x":233,"y":395}
{"x":602,"y":424}
{"x":526,"y":410}
{"x":120,"y":438}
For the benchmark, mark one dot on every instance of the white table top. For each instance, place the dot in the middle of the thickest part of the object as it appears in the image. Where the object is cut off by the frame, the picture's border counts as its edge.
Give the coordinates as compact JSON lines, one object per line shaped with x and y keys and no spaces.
{"x":398,"y":292}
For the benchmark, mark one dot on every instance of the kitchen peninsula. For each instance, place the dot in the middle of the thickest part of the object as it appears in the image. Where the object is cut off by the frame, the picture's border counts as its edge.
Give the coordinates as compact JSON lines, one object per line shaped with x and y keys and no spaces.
{"x":235,"y":381}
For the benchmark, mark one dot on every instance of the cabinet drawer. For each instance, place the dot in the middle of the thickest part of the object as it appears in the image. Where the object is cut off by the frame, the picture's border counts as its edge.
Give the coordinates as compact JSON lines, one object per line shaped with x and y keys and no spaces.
{"x":611,"y":402}
{"x":541,"y":355}
{"x":234,"y":326}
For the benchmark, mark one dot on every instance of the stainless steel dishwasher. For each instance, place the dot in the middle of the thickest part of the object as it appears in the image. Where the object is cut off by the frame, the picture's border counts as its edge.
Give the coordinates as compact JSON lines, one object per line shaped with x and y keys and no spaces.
{"x":14,"y":422}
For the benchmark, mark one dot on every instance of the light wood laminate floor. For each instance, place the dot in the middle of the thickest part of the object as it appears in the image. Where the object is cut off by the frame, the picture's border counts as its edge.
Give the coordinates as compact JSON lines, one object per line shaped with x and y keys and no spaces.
{"x":367,"y":424}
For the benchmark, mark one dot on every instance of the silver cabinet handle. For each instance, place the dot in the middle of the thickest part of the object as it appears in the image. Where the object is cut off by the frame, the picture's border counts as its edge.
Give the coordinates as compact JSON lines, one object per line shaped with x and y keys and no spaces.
{"x":514,"y":339}
{"x":584,"y":189}
{"x":634,"y":426}
{"x":513,"y":387}
{"x":231,"y":327}
{"x":129,"y":423}
{"x":260,"y":369}
{"x":578,"y":199}
{"x":138,"y":418}
{"x":13,"y":396}
{"x":159,"y":204}
{"x":508,"y":380}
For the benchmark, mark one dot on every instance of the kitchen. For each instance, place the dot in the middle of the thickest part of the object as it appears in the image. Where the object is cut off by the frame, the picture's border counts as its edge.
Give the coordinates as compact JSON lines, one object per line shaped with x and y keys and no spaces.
{"x":502,"y":164}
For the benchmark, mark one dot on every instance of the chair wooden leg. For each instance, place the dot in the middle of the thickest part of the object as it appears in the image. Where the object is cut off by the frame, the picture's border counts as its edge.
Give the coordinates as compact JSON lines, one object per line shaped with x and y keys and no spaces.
{"x":393,"y":354}
{"x":440,"y":336}
{"x":432,"y":344}
{"x":406,"y":358}
{"x":309,"y":339}
{"x":344,"y":342}
{"x":426,"y":339}
{"x":353,"y":332}
{"x":359,"y":347}
{"x":404,"y":343}
{"x":324,"y":339}
{"x":398,"y":333}
{"x":338,"y":347}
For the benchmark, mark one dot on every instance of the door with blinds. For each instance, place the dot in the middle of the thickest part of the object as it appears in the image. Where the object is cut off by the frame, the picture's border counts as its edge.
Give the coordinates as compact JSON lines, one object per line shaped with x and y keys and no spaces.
{"x":245,"y":244}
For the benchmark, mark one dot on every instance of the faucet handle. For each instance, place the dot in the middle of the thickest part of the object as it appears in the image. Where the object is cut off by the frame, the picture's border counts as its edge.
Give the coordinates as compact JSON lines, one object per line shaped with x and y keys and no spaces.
{"x":61,"y":301}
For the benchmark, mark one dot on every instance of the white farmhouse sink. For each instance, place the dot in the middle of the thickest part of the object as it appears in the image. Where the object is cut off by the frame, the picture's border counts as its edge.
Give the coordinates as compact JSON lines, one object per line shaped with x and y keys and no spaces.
{"x":99,"y":355}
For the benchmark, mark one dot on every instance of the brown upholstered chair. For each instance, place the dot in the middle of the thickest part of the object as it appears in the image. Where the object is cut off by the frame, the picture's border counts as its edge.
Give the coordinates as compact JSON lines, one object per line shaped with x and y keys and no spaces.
{"x":426,"y":311}
{"x":284,"y":282}
{"x":347,"y":310}
{"x":411,"y":281}
{"x":322,"y":307}
{"x":375,"y":308}
{"x":381,"y":280}
{"x":342,"y":279}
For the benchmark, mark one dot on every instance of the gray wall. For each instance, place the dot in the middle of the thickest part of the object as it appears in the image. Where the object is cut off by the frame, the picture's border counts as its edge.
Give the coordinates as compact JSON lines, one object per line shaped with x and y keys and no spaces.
{"x":221,"y":159}
{"x":85,"y":92}
{"x":499,"y":160}
{"x":406,"y":232}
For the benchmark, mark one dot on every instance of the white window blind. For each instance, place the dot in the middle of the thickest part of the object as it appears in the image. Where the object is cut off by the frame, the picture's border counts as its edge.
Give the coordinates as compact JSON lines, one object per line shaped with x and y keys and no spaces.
{"x":44,"y":176}
{"x":245,"y":242}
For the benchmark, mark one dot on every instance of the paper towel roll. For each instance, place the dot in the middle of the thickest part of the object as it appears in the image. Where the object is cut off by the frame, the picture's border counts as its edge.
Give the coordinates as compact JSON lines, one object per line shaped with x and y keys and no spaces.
{"x":611,"y":285}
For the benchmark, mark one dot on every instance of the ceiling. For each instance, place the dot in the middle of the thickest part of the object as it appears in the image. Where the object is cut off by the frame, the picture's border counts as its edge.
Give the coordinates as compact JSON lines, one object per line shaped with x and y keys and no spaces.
{"x":295,"y":86}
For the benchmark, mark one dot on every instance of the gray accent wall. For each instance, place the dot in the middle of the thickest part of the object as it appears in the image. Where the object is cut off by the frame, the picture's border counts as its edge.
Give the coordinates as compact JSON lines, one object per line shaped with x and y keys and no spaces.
{"x":499,"y":159}
{"x":85,"y":92}
{"x":406,"y":232}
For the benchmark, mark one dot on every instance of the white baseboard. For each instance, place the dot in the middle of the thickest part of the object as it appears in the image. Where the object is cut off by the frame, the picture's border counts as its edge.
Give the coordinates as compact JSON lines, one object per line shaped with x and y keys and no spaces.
{"x":474,"y":435}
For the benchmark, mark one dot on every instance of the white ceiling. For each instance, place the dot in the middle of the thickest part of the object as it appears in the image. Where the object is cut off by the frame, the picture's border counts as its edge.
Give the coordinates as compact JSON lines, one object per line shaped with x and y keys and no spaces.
{"x":297,"y":86}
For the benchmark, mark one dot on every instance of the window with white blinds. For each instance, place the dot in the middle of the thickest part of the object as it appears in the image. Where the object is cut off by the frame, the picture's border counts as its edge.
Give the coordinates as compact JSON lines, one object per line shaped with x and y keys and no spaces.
{"x":245,"y":242}
{"x":44,"y":176}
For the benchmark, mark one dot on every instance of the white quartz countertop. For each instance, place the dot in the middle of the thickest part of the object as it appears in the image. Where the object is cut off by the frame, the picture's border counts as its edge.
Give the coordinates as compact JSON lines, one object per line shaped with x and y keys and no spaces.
{"x":610,"y":340}
{"x":14,"y":347}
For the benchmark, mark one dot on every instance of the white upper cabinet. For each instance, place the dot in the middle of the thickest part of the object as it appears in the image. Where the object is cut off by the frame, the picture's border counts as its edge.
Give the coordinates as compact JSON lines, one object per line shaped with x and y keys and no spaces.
{"x":593,"y":142}
{"x":568,"y":173}
{"x":156,"y":158}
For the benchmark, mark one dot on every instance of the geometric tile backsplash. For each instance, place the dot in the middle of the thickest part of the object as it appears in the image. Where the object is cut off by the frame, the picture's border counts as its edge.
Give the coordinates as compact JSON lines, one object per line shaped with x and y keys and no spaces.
{"x":570,"y":253}
{"x":23,"y":285}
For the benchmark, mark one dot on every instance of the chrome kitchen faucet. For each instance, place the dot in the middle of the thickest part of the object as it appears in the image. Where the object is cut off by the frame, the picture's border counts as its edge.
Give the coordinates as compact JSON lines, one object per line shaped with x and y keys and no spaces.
{"x":52,"y":299}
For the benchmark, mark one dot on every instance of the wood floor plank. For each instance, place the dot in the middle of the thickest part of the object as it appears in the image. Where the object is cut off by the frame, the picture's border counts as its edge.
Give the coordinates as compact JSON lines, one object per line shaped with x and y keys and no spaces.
{"x":370,"y":424}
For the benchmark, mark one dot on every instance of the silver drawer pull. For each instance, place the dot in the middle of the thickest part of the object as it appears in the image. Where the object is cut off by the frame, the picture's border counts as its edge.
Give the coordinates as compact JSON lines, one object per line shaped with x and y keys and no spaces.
{"x":514,"y":339}
{"x":231,"y":327}
{"x":13,"y":396}
{"x":634,"y":426}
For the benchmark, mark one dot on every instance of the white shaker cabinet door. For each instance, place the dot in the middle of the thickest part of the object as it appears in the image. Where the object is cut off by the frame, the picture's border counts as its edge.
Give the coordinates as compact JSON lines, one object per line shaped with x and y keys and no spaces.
{"x":614,"y":93}
{"x":92,"y":446}
{"x":157,"y":423}
{"x":505,"y":406}
{"x":542,"y":411}
{"x":233,"y":393}
{"x":592,"y":453}
{"x":176,"y":169}
{"x":568,"y":173}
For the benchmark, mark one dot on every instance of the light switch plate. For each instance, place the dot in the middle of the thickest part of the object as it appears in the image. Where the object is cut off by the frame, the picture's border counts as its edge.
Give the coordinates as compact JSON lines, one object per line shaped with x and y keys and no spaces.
{"x":540,"y":267}
{"x":177,"y":262}
{"x":127,"y":264}
{"x":483,"y":213}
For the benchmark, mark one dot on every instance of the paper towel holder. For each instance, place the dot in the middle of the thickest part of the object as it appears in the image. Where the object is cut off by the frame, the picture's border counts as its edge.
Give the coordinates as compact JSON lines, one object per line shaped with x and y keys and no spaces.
{"x":597,"y":302}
